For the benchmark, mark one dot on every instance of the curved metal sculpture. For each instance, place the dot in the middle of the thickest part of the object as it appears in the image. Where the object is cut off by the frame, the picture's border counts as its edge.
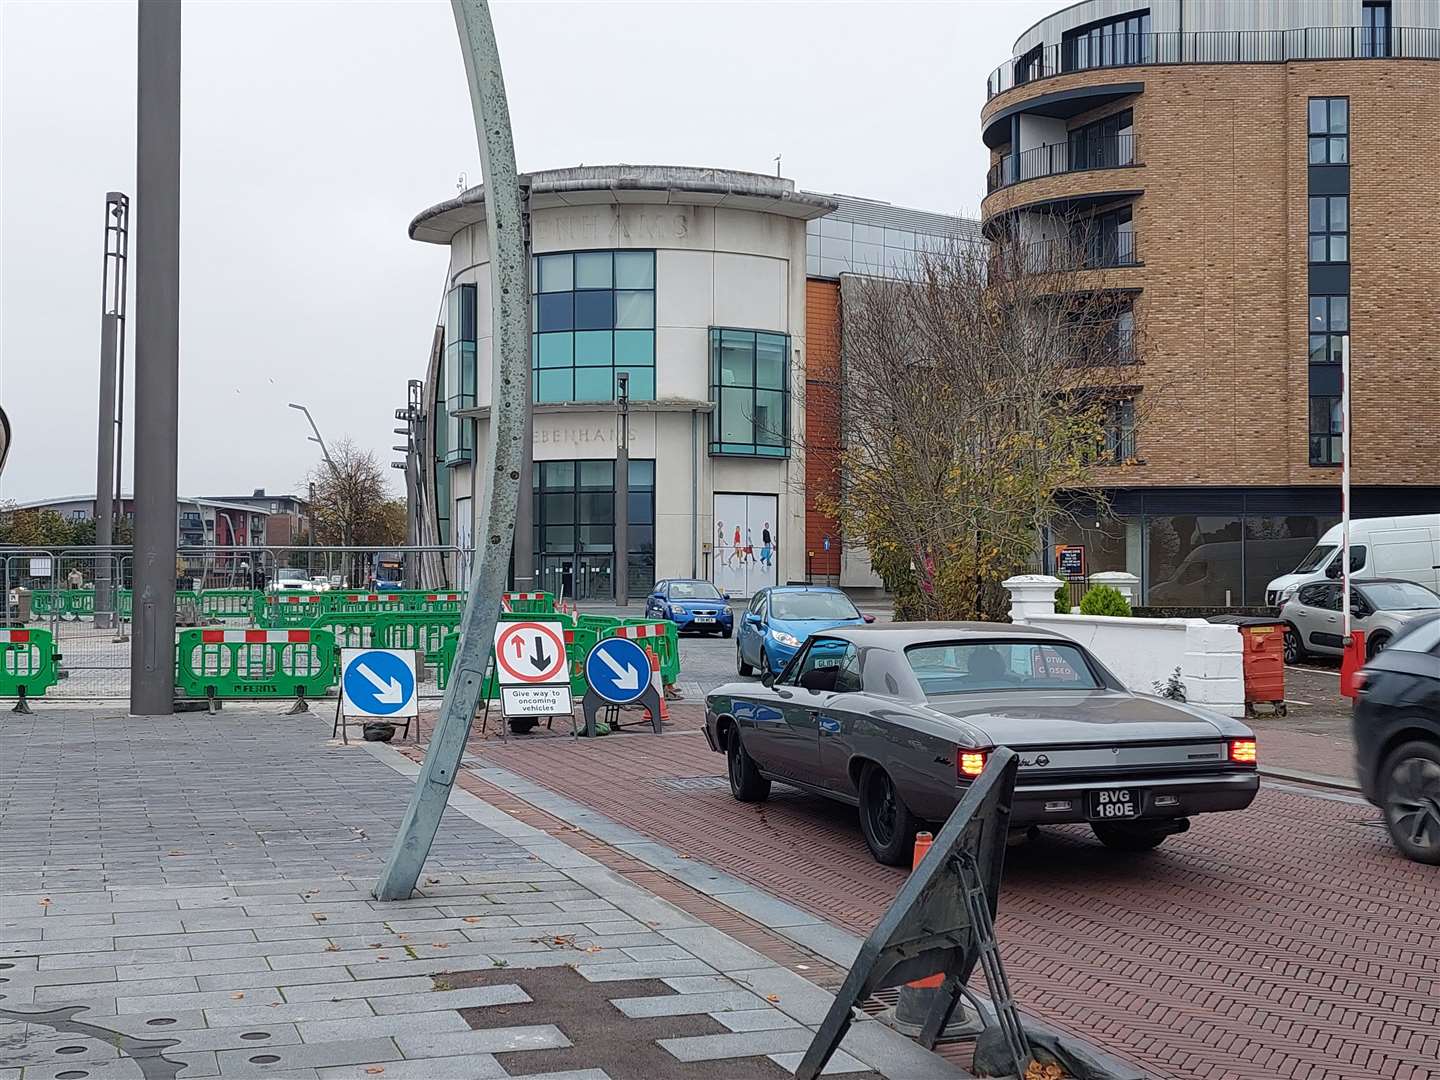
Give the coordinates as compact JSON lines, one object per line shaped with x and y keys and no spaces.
{"x":510,"y":404}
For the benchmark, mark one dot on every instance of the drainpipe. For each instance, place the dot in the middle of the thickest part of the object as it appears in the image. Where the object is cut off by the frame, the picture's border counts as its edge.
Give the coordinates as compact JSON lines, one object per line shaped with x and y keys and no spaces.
{"x":694,"y":493}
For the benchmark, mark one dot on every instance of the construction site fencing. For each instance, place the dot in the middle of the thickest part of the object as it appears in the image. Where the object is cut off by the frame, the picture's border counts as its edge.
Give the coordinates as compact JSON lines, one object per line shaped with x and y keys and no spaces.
{"x":659,"y":637}
{"x":528,"y":603}
{"x":29,"y":664}
{"x":257,"y":664}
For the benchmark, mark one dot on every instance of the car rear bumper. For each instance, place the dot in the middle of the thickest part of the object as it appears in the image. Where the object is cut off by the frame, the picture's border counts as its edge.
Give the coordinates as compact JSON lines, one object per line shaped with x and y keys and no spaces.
{"x":1181,"y":796}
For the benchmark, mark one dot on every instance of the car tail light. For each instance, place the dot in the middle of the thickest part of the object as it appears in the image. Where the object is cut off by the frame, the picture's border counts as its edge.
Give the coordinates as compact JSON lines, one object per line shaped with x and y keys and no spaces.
{"x":1242,"y":751}
{"x":969,"y":763}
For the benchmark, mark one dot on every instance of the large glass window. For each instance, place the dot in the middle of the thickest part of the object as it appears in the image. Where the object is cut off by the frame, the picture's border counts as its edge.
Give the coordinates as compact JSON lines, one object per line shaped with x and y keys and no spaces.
{"x":1329,"y":228}
{"x":1329,"y":131}
{"x":1104,"y":144}
{"x":593,"y":316}
{"x":1325,"y":430}
{"x":1193,"y":560}
{"x":1375,"y":28}
{"x":1114,"y":42}
{"x":459,"y":381}
{"x":574,"y":515}
{"x":1277,"y":544}
{"x":1329,"y":323}
{"x":750,"y":387}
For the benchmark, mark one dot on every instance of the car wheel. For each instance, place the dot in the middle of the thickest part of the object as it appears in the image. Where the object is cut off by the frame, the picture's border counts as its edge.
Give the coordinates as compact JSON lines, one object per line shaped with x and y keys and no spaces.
{"x":1127,"y":837}
{"x":725,"y":632}
{"x":1375,"y":644}
{"x":1410,"y":798}
{"x":1294,"y":649}
{"x":741,"y":666}
{"x":746,"y":783}
{"x":765,"y":668}
{"x":886,"y":821}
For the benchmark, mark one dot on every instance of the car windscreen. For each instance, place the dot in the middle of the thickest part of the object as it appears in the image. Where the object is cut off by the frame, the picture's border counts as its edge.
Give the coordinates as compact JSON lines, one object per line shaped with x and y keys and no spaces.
{"x":1312,"y":562}
{"x":694,"y":590}
{"x":292,"y":575}
{"x":960,"y":668}
{"x":1400,"y":596}
{"x":796,"y":606}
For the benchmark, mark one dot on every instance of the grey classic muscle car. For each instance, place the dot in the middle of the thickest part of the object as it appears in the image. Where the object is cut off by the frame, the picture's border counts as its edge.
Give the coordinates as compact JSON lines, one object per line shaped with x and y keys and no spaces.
{"x":898,"y":719}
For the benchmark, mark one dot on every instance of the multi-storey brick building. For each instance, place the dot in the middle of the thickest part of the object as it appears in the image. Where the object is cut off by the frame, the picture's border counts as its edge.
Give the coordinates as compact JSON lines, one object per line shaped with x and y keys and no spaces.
{"x":1262,"y":180}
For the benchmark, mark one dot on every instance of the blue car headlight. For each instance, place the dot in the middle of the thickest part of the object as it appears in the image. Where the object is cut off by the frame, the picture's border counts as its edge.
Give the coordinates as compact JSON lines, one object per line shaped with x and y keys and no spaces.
{"x":788,"y":640}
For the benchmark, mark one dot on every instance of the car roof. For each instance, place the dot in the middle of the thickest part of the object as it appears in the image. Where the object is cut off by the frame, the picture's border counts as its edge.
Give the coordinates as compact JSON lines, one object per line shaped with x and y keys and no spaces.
{"x":902,"y":635}
{"x":803,"y":588}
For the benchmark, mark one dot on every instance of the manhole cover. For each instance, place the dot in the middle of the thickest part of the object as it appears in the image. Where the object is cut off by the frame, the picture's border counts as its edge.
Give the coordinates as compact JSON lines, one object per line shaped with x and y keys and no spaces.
{"x":693,"y":783}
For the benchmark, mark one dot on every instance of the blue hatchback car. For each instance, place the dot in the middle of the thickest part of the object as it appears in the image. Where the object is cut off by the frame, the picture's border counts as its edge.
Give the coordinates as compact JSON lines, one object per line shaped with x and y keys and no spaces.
{"x":781,"y":617}
{"x":691,"y":604}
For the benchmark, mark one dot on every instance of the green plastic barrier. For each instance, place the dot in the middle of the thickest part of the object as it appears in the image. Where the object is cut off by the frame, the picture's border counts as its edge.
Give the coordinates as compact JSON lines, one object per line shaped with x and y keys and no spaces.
{"x":75,"y":603}
{"x":658,"y":636}
{"x":421,"y":631}
{"x":446,"y":662}
{"x":230,"y":603}
{"x":530,"y":603}
{"x":353,"y":631}
{"x":28,"y":664}
{"x":601,"y":624}
{"x":254,"y":664}
{"x":42,"y":602}
{"x":363,"y":603}
{"x":290,"y":609}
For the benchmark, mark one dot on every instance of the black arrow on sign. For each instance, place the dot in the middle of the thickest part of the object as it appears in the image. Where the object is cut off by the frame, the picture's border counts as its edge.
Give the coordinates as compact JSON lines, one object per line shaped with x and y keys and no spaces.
{"x":538,"y":658}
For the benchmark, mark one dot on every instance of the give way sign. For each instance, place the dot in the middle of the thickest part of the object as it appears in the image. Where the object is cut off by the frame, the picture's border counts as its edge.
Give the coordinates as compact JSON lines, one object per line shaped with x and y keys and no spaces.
{"x":530,"y":654}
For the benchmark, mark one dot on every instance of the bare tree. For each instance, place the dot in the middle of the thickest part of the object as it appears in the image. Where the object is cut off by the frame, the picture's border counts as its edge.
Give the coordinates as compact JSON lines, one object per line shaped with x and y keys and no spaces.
{"x":975,"y":393}
{"x":352,"y":504}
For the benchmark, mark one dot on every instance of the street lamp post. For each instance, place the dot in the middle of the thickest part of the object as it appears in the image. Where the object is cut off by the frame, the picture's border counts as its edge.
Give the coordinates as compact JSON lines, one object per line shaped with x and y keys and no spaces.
{"x":334,"y":472}
{"x":622,"y":488}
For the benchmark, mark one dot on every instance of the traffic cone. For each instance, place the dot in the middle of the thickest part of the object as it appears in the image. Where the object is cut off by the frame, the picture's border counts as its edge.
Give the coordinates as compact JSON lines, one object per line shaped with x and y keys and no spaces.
{"x":918,"y":997}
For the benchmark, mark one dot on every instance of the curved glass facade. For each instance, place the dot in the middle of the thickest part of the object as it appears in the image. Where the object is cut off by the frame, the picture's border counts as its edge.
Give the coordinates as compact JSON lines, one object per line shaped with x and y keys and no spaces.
{"x":593,"y":316}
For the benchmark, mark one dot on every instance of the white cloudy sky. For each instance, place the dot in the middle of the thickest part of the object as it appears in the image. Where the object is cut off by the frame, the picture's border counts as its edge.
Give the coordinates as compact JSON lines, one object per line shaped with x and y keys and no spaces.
{"x":313,"y":132}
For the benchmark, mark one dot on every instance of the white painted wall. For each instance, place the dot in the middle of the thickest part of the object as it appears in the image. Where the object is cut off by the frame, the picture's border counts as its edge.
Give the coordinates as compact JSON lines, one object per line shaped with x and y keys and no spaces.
{"x":1142,"y":652}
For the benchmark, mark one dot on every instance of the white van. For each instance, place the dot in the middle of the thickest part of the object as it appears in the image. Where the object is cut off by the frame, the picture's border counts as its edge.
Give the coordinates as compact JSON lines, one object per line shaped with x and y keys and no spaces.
{"x":1394,"y":547}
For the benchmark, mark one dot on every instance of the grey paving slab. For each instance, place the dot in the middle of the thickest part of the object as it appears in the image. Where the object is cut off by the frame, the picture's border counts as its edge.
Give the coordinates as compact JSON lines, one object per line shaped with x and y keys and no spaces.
{"x":839,"y":1063}
{"x":738,"y":1044}
{"x":210,"y":999}
{"x":463,"y":1067}
{"x":487,"y":1041}
{"x":764,"y":1019}
{"x":241,"y":1037}
{"x":349,"y":989}
{"x":716,"y":948}
{"x":473,"y":997}
{"x":289,"y":1012}
{"x":836,"y":945}
{"x":569,"y":1074}
{"x":792,"y":994}
{"x":307,"y":1055}
{"x":688,"y":1004}
{"x":419,"y":1023}
{"x":244,"y":980}
{"x":887,"y":1051}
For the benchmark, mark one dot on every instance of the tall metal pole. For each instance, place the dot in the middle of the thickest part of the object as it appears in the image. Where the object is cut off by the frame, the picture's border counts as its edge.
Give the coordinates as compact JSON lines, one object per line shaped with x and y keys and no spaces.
{"x":122,"y":294}
{"x":157,"y":356}
{"x":525,"y":554}
{"x":112,"y":329}
{"x":622,"y":488}
{"x":1345,"y":486}
{"x":509,"y":404}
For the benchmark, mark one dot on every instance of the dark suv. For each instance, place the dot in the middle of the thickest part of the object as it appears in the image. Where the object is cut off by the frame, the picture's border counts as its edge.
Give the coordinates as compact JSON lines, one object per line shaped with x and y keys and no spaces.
{"x":1397,"y":737}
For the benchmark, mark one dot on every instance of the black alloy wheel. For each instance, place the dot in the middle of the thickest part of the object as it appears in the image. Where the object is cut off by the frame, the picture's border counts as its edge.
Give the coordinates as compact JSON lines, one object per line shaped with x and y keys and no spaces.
{"x":886,"y":821}
{"x":1410,"y":798}
{"x":1294,"y":650}
{"x":746,"y":783}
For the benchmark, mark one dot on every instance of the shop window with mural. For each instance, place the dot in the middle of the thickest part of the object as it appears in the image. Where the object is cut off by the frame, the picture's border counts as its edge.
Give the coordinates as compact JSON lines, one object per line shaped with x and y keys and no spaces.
{"x":745,"y":554}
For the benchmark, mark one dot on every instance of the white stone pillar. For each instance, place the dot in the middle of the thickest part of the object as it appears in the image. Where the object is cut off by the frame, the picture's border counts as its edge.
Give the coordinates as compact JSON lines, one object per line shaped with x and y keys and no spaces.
{"x":1128,"y":585}
{"x":1031,"y":595}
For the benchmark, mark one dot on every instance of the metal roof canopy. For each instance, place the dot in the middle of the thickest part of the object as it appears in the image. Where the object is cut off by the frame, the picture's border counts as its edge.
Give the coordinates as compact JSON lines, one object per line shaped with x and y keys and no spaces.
{"x":934,"y":925}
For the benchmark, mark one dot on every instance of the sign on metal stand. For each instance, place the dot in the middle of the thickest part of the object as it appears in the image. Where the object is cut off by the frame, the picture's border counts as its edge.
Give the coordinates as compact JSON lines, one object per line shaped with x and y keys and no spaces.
{"x":617,"y":672}
{"x":532,"y":669}
{"x":942,"y":922}
{"x":377,"y":684}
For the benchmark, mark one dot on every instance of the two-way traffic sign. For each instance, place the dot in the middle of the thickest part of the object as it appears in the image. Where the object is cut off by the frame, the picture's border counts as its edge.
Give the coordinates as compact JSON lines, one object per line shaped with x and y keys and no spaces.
{"x":530,"y":654}
{"x":378,"y":682}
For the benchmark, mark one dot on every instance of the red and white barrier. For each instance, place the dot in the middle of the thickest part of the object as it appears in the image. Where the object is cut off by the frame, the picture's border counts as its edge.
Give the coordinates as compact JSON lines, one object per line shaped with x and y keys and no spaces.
{"x":15,"y":637}
{"x":256,"y":637}
{"x":642,"y":630}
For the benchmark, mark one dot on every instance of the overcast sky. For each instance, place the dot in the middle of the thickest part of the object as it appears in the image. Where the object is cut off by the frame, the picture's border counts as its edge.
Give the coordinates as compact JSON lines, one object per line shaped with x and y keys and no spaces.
{"x":314,"y":132}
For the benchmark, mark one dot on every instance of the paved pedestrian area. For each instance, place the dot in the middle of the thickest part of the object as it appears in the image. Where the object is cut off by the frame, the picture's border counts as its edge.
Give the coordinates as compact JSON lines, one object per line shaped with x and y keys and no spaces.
{"x":1288,"y":940}
{"x":190,"y":898}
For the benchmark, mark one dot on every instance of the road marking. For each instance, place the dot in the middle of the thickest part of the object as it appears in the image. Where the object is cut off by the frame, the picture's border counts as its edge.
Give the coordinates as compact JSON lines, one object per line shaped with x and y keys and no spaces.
{"x":1292,"y":701}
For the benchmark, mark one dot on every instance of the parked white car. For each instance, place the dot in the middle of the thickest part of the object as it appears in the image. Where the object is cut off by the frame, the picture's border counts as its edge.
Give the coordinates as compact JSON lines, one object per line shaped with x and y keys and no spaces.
{"x":1407,"y":548}
{"x":295,"y":579}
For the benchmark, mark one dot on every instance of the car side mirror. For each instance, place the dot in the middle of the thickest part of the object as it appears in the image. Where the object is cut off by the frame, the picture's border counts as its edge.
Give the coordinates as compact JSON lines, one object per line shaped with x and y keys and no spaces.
{"x":724,"y":596}
{"x":754,"y":619}
{"x":768,"y":679}
{"x":868,"y":618}
{"x":1333,"y":571}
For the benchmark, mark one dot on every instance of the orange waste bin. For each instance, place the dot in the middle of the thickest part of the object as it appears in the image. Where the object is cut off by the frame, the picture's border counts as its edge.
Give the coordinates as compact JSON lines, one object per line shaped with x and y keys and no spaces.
{"x":1263,"y":650}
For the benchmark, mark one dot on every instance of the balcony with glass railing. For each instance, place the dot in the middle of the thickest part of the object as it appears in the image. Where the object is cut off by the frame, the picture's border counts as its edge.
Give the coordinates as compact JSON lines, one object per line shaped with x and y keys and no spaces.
{"x":1106,"y":250}
{"x":1054,"y":159}
{"x":1216,"y":47}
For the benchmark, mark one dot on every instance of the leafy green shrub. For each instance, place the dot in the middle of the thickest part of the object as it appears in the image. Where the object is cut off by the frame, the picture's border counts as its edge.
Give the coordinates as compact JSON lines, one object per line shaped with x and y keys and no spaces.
{"x":1062,"y":600}
{"x":1103,"y":600}
{"x":1172,"y":688}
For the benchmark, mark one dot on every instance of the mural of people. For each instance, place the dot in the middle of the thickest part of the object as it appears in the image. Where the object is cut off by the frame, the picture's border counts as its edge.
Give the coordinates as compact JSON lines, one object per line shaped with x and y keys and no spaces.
{"x":766,"y":544}
{"x":749,"y":548}
{"x":735,"y":549}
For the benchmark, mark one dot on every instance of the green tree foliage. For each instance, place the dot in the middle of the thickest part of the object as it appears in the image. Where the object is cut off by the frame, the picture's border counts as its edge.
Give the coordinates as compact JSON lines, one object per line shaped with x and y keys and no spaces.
{"x":974,"y":395}
{"x":1062,"y":600}
{"x":48,"y":529}
{"x":1103,"y":600}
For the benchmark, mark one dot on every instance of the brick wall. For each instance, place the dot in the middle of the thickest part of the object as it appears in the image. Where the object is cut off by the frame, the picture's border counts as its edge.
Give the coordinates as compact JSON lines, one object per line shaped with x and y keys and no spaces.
{"x":1221,"y":228}
{"x":822,"y":421}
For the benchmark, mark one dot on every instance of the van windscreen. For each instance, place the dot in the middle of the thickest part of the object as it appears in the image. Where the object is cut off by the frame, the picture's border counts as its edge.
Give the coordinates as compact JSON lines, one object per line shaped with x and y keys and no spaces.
{"x":1313,"y":561}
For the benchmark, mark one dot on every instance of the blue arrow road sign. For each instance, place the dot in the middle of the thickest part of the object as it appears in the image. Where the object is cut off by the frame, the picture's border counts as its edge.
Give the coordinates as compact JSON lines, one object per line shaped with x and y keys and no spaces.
{"x":379,"y":683}
{"x":618,"y":670}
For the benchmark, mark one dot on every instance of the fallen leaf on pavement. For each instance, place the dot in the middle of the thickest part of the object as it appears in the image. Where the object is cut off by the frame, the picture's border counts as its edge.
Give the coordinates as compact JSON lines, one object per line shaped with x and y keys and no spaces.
{"x":772,"y":998}
{"x":237,"y":995}
{"x":376,"y":1070}
{"x":45,"y":901}
{"x":439,"y":945}
{"x":318,"y":917}
{"x":1037,"y":1071}
{"x":471,"y":918}
{"x":332,"y":947}
{"x":382,"y":956}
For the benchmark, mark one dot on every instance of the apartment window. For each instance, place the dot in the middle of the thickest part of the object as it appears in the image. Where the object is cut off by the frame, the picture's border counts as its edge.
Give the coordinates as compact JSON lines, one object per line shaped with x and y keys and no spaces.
{"x":1104,"y":144}
{"x":1325,"y":430}
{"x":1330,"y":316}
{"x":749,"y":384}
{"x":1030,"y":66}
{"x":593,"y":316}
{"x":1375,"y":28}
{"x":1329,"y":128}
{"x":1109,"y":239}
{"x":1329,"y":228}
{"x":1118,"y":425}
{"x":1114,"y":42}
{"x":459,"y":373}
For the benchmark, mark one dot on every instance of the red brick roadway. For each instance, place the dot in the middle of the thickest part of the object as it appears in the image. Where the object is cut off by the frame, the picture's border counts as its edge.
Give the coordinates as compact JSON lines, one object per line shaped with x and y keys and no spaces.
{"x":1285,"y":941}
